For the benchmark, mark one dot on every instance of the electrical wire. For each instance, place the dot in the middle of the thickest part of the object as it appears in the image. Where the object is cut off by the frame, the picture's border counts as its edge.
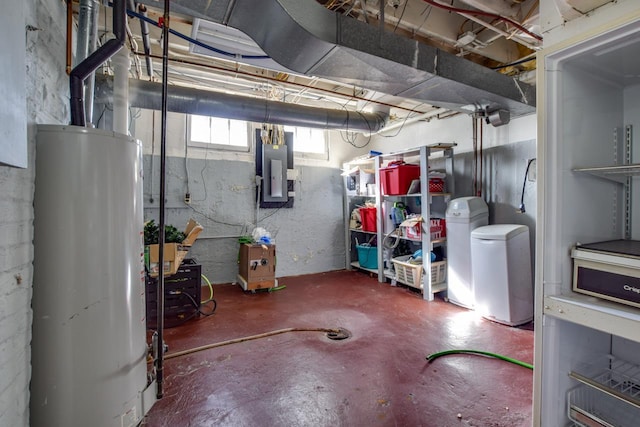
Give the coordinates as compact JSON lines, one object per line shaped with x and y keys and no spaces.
{"x":521,"y":209}
{"x":434,"y":356}
{"x":197,"y":305}
{"x":481,"y":13}
{"x":401,"y":15}
{"x":512,"y":64}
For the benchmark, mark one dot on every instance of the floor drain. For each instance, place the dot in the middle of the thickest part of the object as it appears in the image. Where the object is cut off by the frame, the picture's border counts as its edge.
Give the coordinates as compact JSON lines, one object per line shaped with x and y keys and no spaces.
{"x":339,"y":334}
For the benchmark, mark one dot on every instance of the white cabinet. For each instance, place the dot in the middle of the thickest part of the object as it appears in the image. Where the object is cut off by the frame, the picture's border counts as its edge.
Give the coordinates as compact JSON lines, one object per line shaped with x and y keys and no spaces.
{"x":431,"y":276}
{"x":589,"y":102}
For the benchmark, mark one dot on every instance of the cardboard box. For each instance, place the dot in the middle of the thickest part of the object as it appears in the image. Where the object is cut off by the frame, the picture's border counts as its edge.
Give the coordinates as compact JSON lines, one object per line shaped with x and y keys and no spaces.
{"x":412,"y":228}
{"x":257,"y":262}
{"x":174,"y":253}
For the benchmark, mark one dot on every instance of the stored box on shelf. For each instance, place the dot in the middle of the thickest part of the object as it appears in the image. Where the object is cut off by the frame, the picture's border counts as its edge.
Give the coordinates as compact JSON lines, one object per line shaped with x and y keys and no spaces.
{"x":438,"y":228}
{"x":396,"y":179}
{"x":412,"y":228}
{"x":174,"y":253}
{"x":436,"y":185}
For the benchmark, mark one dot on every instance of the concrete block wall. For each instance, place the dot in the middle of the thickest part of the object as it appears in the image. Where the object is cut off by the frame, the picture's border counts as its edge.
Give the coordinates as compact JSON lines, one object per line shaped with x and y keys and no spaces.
{"x":309,"y":237}
{"x":47,"y":102}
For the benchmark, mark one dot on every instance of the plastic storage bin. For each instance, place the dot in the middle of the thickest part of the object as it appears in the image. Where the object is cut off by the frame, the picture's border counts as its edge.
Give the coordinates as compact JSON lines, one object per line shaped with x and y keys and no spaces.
{"x":368,"y":219}
{"x":368,"y":256}
{"x":396,"y":179}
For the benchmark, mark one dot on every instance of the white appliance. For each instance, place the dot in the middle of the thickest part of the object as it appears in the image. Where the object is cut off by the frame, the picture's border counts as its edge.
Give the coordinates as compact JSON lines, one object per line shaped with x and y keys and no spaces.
{"x":89,"y":352}
{"x":501,"y":268}
{"x":464,"y":215}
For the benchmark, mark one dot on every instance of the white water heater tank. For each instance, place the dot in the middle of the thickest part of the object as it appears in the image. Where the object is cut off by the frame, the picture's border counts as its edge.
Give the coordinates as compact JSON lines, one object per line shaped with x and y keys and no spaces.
{"x":88,"y":350}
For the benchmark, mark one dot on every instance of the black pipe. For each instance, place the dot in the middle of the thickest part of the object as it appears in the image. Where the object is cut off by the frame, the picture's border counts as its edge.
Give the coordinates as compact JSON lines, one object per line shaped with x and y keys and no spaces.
{"x":93,"y":61}
{"x":161,"y":221}
{"x":146,"y":44}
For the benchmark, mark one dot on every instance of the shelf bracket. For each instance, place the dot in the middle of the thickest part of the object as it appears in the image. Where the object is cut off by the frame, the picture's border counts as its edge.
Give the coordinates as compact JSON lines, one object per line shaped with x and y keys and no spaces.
{"x":628,"y":139}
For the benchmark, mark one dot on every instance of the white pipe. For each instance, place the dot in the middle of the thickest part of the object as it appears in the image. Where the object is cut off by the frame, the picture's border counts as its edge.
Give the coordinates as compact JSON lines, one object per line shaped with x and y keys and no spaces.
{"x":410,"y":120}
{"x":499,"y":31}
{"x":121,"y":65}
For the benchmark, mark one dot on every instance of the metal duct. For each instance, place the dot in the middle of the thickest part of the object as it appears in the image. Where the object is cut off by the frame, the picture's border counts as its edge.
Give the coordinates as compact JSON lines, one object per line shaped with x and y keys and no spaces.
{"x":148,"y":95}
{"x":336,"y":47}
{"x":86,"y":44}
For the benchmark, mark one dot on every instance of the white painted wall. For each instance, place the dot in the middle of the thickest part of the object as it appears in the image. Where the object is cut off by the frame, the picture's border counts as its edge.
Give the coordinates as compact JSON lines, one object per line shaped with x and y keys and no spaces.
{"x":458,"y":129}
{"x":47,"y":101}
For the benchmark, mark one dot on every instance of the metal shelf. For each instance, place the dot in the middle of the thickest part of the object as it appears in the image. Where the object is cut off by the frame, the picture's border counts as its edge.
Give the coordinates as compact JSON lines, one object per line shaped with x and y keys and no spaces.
{"x":357,"y":265}
{"x":359,"y":230}
{"x":433,"y":241}
{"x":614,"y":173}
{"x":436,"y":288}
{"x":609,"y":394}
{"x":416,"y":195}
{"x":605,"y":316}
{"x":416,"y":151}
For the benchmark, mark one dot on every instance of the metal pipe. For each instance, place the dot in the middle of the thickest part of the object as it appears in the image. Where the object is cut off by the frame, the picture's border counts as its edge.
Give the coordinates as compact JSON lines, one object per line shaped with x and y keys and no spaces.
{"x":236,"y":72}
{"x":161,"y":220}
{"x":84,"y":23}
{"x":69,"y":34}
{"x":91,"y":80}
{"x":121,"y":65}
{"x":146,"y":44}
{"x":185,"y":100}
{"x":91,"y":63}
{"x":501,"y":32}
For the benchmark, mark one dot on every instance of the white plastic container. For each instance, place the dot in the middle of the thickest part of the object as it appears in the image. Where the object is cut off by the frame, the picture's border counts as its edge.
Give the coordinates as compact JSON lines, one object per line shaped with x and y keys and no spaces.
{"x":501,"y":267}
{"x":463,"y":216}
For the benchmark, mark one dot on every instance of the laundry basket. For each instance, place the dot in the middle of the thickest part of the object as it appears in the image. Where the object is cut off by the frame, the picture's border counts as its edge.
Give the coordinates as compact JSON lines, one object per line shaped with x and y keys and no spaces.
{"x":411,"y":273}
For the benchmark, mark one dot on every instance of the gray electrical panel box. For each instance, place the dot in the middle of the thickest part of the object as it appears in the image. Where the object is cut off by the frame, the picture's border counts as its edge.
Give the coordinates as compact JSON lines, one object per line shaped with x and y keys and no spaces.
{"x":274,"y":173}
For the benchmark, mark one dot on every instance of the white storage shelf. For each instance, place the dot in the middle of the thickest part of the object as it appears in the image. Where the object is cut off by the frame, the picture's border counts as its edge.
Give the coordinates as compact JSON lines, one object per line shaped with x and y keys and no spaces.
{"x":412,"y":275}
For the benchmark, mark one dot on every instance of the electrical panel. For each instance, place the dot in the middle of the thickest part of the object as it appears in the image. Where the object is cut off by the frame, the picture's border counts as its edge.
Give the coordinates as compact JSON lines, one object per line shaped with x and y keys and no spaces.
{"x":274,"y":173}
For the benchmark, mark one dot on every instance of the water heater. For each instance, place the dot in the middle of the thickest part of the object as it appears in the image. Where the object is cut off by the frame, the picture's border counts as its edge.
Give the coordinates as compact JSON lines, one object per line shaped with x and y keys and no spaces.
{"x":89,"y":337}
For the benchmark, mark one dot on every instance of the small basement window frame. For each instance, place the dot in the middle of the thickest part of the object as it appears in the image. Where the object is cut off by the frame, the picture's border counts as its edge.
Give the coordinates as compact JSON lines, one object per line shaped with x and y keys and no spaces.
{"x":296,"y":130}
{"x":246,"y":135}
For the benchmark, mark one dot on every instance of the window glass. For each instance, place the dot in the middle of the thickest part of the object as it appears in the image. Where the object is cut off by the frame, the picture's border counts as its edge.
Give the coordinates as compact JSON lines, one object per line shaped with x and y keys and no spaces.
{"x":308,"y":140}
{"x":219,"y":132}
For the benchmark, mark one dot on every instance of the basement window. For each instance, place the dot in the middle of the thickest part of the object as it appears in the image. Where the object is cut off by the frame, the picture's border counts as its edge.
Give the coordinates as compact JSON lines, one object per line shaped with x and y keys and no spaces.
{"x":309,"y":142}
{"x":218,"y":133}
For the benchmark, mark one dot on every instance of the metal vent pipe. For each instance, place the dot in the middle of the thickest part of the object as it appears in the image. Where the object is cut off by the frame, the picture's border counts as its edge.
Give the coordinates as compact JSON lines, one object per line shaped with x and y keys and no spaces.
{"x":91,"y":63}
{"x":148,"y":95}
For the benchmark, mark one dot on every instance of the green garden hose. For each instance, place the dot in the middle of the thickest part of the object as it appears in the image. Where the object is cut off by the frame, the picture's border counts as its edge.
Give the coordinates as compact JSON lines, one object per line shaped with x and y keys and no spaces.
{"x":434,"y":356}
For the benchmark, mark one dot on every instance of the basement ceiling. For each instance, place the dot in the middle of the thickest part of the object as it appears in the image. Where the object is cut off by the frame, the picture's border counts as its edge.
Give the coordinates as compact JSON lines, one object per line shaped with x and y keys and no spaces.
{"x":501,"y":36}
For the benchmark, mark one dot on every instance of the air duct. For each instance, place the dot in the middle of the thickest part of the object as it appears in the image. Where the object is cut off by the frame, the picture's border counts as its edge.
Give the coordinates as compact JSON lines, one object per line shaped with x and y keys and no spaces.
{"x":305,"y":37}
{"x":148,"y":95}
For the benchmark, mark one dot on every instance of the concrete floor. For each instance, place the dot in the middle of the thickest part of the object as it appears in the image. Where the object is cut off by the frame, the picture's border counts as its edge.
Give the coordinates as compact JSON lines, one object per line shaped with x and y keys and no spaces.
{"x":378,"y":377}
